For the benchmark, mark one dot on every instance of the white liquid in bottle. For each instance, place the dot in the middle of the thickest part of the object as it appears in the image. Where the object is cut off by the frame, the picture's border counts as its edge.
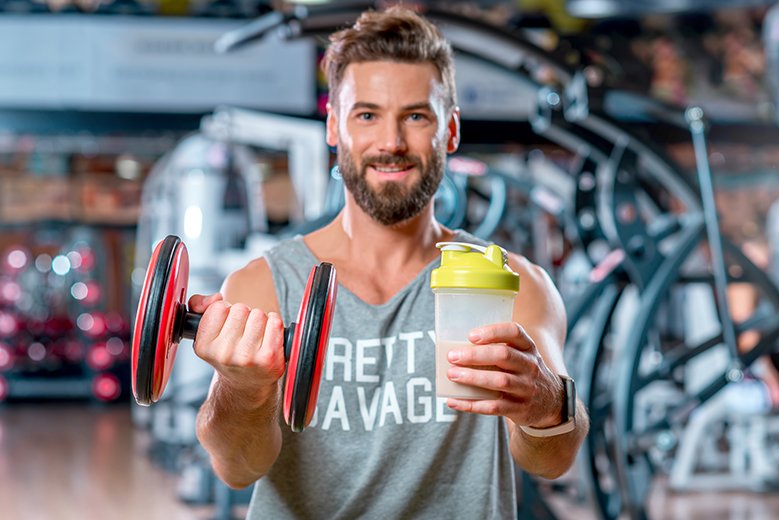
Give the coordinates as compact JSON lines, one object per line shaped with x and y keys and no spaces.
{"x":444,"y":387}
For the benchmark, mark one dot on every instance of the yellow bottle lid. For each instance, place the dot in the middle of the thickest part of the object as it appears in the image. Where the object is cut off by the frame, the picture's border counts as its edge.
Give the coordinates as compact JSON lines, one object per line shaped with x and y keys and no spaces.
{"x":470,"y":266}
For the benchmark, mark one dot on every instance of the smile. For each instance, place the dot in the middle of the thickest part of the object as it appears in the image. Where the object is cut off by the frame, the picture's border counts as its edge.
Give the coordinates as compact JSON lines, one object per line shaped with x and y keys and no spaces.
{"x":392,"y":171}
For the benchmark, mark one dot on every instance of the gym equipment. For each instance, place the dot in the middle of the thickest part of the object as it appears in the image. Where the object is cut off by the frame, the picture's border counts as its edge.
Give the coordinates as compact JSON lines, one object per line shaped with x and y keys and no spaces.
{"x":637,"y":422}
{"x":303,"y":140}
{"x":7,"y":355}
{"x":620,"y":190}
{"x":197,"y":190}
{"x":106,"y":387}
{"x":163,"y":320}
{"x":644,"y":440}
{"x":740,"y":416}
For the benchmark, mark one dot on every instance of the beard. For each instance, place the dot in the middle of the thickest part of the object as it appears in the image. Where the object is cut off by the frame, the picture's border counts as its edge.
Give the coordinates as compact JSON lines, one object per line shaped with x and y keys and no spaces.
{"x":392,"y":202}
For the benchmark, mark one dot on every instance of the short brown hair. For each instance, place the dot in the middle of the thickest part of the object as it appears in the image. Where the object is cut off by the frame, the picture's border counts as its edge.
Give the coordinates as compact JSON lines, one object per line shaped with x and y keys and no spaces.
{"x":397,"y":34}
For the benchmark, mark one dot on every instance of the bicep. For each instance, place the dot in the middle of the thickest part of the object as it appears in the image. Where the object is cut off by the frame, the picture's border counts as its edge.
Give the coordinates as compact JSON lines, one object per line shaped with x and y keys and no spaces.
{"x":252,"y":285}
{"x":539,"y":309}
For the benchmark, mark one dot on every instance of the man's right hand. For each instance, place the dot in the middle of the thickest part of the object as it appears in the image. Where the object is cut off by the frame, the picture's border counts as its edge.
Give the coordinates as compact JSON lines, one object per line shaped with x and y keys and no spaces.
{"x":244,"y":345}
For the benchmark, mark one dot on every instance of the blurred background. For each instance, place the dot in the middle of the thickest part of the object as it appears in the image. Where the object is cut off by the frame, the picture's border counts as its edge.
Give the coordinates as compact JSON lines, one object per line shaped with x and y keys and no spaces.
{"x":628,"y":147}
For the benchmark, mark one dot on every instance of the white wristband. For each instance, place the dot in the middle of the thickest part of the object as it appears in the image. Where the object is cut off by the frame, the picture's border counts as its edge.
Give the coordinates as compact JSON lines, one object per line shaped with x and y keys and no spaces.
{"x":567,"y":426}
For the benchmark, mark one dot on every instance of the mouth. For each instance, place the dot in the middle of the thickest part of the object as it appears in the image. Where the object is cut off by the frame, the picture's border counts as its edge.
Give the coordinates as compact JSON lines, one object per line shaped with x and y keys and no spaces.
{"x":392,"y":172}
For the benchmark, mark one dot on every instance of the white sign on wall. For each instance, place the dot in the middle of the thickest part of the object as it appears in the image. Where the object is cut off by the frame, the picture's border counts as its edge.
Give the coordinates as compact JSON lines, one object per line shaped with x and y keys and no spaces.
{"x":147,"y":64}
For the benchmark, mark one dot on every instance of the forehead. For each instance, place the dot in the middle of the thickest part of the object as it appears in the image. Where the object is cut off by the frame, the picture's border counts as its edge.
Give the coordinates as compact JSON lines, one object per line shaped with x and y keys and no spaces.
{"x":390,"y":82}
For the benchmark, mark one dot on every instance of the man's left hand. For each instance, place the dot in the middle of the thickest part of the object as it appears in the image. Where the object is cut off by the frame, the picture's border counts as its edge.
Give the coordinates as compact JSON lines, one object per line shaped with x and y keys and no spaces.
{"x":505,"y":359}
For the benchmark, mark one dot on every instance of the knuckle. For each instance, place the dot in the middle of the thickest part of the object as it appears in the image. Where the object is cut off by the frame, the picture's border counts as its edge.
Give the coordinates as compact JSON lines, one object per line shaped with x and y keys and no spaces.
{"x":200,"y":350}
{"x":491,"y":408}
{"x":270,"y":364}
{"x":257,"y":316}
{"x":502,"y":381}
{"x":223,"y":357}
{"x":467,"y":406}
{"x":265,"y":359}
{"x":240,"y":309}
{"x":205,"y":348}
{"x":218,"y":308}
{"x":219,"y":304}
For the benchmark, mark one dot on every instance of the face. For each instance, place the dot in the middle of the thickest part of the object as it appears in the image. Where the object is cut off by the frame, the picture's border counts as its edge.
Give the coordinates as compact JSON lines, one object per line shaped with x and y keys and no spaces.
{"x":393,"y":132}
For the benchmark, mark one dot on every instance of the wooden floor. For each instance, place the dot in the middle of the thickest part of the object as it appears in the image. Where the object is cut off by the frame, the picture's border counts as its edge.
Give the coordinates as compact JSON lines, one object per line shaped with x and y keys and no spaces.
{"x":81,"y":462}
{"x":76,"y":462}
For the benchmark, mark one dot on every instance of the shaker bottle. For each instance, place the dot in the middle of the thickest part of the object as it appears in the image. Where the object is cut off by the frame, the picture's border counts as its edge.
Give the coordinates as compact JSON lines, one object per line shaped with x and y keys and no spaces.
{"x":474,"y":286}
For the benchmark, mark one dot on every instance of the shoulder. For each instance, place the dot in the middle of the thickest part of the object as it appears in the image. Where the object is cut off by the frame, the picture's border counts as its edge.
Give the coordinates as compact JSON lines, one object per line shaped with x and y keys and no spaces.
{"x":537,"y":287}
{"x":530,"y":273}
{"x":252,"y":285}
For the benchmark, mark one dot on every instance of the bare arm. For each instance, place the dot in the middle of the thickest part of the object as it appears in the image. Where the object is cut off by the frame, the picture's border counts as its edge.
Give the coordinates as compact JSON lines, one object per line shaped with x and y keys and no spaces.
{"x":529,"y":354}
{"x":238,"y":423}
{"x":541,"y":313}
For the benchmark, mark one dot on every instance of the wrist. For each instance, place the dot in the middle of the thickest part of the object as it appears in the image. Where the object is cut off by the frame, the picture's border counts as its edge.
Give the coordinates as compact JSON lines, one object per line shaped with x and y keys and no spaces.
{"x":556,"y":411}
{"x":565,"y":419}
{"x":248,"y":397}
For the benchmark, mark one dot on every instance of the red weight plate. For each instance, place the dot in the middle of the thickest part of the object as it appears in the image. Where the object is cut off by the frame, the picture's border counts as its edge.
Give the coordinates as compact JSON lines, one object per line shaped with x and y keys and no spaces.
{"x":154,"y":345}
{"x":140,"y":372}
{"x":294,"y":349}
{"x":309,"y":347}
{"x":175,"y":298}
{"x":324,"y":338}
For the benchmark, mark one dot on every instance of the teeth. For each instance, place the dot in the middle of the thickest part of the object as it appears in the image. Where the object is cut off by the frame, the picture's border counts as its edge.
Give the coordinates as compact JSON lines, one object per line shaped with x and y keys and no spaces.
{"x":389,"y":170}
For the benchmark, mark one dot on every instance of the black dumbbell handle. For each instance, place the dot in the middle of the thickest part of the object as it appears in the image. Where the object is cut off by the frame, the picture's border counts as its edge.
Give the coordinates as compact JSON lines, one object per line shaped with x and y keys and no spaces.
{"x":186,"y":324}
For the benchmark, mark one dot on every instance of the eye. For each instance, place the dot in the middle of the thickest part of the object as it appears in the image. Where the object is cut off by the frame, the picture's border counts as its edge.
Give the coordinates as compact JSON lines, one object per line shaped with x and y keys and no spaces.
{"x":417,"y":116}
{"x":366,"y":116}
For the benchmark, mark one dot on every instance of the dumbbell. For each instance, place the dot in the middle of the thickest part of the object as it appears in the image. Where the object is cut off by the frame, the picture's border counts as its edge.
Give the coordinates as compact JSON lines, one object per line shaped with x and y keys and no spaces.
{"x":163,"y":320}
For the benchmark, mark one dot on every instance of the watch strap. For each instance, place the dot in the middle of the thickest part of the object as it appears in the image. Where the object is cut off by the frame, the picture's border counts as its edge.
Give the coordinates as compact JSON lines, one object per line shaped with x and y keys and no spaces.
{"x":568,"y":414}
{"x":560,"y":429}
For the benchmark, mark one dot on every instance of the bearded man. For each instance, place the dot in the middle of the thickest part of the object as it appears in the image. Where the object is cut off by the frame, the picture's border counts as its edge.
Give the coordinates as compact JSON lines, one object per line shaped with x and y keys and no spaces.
{"x":381,"y":444}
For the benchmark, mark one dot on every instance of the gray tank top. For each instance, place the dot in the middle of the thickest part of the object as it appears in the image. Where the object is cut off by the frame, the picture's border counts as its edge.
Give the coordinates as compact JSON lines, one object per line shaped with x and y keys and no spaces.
{"x":381,"y":445}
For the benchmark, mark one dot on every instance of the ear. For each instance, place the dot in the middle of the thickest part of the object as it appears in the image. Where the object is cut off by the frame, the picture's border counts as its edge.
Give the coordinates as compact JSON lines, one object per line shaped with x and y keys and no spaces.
{"x":331,"y":126}
{"x":453,"y":128}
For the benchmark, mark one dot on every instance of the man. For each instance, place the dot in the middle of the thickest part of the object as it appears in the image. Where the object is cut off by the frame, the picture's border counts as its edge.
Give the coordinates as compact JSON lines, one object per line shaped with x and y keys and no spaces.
{"x":381,"y":445}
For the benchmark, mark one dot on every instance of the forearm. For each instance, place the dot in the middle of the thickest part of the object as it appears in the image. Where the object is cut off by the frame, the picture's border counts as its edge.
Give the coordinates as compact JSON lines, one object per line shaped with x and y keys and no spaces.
{"x":549,"y":457}
{"x":242,"y":436}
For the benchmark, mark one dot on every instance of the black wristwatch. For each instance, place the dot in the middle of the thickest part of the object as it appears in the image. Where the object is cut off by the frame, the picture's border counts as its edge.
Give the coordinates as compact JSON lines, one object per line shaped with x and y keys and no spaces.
{"x":568,"y":414}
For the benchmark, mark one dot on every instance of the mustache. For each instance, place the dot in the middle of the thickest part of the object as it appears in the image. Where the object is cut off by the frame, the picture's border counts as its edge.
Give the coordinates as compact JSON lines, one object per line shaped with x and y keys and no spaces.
{"x":392,"y":159}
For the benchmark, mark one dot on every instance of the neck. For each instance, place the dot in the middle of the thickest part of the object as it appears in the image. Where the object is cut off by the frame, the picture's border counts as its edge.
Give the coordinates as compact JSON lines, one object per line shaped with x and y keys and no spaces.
{"x":408,"y":241}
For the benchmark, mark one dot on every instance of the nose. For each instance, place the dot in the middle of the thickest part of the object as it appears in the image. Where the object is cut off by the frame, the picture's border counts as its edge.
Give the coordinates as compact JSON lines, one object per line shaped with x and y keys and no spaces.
{"x":392,"y":139}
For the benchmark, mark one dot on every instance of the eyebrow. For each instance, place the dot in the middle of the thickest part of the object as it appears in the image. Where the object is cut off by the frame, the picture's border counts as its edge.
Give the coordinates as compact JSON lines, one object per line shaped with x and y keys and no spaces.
{"x":422,"y":105}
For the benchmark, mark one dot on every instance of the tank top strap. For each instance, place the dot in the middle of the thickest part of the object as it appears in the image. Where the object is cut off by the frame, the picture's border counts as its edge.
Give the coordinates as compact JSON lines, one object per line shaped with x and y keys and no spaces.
{"x":290,"y":262}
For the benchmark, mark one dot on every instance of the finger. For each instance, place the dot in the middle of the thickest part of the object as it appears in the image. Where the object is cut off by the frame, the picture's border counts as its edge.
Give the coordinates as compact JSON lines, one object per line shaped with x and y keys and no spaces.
{"x":253,"y":332}
{"x":483,"y":406}
{"x":211,"y":323}
{"x":255,"y":326}
{"x":509,"y":384}
{"x":271,"y":352}
{"x":234,"y":325}
{"x":510,"y":333}
{"x":500,"y":355}
{"x":199,"y":302}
